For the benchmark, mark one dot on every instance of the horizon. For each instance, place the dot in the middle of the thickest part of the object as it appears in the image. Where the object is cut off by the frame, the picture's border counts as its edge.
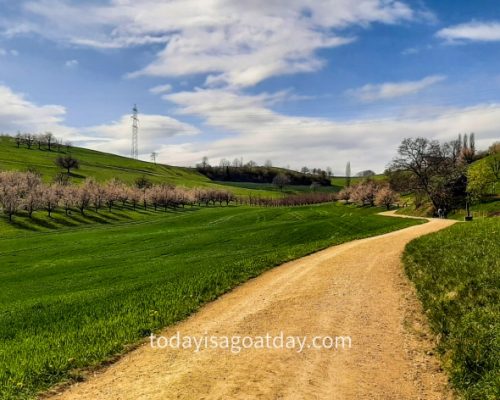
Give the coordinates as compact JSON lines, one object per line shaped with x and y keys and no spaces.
{"x":317,"y":84}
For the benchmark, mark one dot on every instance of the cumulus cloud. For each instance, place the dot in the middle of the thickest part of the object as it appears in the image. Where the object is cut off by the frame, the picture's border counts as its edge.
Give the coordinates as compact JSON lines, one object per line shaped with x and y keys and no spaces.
{"x":471,"y":31}
{"x":237,"y":43}
{"x":18,"y":113}
{"x":391,"y":90}
{"x":154,"y":131}
{"x":254,"y":130}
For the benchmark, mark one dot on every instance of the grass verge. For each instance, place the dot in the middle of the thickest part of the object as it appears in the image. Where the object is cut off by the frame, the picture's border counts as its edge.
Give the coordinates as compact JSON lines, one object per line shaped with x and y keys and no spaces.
{"x":457,"y":276}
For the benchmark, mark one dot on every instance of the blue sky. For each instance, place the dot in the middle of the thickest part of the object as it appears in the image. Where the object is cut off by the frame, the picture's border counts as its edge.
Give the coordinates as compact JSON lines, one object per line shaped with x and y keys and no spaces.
{"x":316,"y":83}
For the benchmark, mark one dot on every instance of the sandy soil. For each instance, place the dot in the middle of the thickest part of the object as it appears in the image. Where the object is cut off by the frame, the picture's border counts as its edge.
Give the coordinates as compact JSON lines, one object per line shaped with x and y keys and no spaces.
{"x":357,"y":289}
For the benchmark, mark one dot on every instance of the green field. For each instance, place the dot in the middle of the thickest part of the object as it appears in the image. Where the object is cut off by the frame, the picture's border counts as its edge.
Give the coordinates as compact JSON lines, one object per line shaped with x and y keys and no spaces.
{"x":457,"y":276}
{"x":73,"y":298}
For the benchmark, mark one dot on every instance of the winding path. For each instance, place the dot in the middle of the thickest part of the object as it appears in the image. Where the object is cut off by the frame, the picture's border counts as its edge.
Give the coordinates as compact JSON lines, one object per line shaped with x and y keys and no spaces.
{"x":357,"y":289}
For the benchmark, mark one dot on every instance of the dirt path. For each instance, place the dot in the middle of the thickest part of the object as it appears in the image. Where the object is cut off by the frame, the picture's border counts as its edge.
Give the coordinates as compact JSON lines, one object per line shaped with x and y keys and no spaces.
{"x":357,"y":289}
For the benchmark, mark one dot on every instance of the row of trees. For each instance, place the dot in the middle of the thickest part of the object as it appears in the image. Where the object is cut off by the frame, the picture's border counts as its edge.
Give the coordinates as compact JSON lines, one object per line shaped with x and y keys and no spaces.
{"x":369,"y":193}
{"x":250,"y":172}
{"x":41,"y":141}
{"x":27,"y":192}
{"x":301,"y":199}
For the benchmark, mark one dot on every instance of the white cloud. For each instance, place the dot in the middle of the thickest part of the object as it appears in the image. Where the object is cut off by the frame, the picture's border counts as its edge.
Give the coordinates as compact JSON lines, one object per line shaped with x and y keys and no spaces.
{"x":154,"y":131}
{"x":18,"y":113}
{"x":391,"y":90}
{"x":253,"y":130}
{"x":237,"y":43}
{"x":71,"y":64}
{"x":471,"y":31}
{"x":161,"y":89}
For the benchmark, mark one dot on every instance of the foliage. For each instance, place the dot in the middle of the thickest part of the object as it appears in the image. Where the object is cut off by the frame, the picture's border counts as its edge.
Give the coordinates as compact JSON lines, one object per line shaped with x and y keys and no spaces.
{"x":457,"y":275}
{"x":480,"y":179}
{"x":67,"y":162}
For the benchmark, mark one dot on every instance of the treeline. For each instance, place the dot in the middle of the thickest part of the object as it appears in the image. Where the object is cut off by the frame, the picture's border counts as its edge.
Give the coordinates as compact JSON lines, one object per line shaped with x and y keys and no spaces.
{"x":292,"y":200}
{"x":25,"y":191}
{"x":251,"y":172}
{"x":369,"y":193}
{"x":43,"y":141}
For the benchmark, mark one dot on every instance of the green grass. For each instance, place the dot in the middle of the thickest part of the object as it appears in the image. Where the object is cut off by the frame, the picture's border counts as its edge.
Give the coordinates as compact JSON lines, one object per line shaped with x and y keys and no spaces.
{"x":457,"y":276}
{"x":101,"y":166}
{"x":73,"y":298}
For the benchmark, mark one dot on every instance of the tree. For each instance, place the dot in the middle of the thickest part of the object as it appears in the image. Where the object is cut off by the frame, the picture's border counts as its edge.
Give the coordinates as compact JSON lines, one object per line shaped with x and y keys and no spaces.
{"x":480,"y":179}
{"x":430,"y":169}
{"x":494,"y":159}
{"x":280,"y":181}
{"x":34,"y":193}
{"x":82,"y":198}
{"x":12,"y":188}
{"x":366,"y":173}
{"x":386,"y":197}
{"x":68,"y":163}
{"x":364,"y":193}
{"x":29,"y":139}
{"x":18,"y":139}
{"x":348,"y":174}
{"x":112,"y":191}
{"x":268,"y":164}
{"x":49,"y":140}
{"x":51,"y":196}
{"x":69,"y":198}
{"x":329,"y":172}
{"x":143,"y":183}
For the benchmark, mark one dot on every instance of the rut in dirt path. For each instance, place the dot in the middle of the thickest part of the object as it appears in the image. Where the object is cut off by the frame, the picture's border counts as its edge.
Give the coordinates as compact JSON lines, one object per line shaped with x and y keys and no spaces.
{"x":356,"y":289}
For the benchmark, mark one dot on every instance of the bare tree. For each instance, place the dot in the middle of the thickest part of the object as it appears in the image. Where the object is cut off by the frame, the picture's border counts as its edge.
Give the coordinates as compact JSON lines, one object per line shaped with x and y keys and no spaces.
{"x":280,"y":181}
{"x":29,"y":140}
{"x":67,"y":162}
{"x":431,"y":169}
{"x":49,"y":140}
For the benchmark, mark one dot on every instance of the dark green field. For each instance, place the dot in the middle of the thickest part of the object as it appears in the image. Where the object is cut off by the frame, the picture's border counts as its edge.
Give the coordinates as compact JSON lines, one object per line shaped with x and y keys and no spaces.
{"x":72,"y":298}
{"x":457,"y":275}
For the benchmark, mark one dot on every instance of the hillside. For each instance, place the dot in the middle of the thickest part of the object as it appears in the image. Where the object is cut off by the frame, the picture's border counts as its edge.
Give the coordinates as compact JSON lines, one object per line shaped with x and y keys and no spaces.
{"x":101,"y":166}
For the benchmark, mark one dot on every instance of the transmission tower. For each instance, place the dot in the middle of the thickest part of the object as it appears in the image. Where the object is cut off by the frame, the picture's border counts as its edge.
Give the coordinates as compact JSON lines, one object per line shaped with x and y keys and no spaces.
{"x":135,"y":134}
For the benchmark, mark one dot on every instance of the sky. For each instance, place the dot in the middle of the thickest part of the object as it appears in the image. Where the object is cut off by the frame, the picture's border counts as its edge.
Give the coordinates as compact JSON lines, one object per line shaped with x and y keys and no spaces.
{"x":312,"y":83}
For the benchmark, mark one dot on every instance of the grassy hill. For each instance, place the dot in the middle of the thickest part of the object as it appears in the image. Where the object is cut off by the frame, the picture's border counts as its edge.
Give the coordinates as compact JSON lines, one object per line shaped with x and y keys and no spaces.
{"x":72,"y":298}
{"x":101,"y":166}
